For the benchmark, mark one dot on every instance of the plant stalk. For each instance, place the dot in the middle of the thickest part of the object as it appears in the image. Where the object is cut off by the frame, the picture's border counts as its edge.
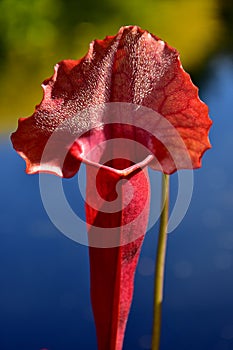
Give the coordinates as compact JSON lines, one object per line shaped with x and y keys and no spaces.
{"x":160,"y":265}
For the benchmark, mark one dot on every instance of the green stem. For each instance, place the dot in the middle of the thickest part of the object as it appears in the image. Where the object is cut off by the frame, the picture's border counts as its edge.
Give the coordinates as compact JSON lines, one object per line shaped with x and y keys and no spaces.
{"x":160,"y":264}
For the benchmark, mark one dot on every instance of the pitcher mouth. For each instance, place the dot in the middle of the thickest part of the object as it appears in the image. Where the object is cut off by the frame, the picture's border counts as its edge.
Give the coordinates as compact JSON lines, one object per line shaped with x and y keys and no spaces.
{"x":121,"y":172}
{"x":116,"y":149}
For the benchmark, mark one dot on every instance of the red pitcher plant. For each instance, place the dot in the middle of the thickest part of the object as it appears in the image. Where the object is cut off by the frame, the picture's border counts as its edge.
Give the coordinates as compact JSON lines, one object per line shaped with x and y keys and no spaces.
{"x":125,"y":106}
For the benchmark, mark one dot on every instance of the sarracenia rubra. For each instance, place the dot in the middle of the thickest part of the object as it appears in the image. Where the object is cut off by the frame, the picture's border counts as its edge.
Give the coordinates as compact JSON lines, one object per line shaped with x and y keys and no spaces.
{"x":165,"y":125}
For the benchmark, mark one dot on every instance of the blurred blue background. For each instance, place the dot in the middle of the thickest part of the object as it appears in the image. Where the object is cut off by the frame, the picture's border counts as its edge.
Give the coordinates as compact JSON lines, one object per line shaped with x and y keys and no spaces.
{"x":44,"y":276}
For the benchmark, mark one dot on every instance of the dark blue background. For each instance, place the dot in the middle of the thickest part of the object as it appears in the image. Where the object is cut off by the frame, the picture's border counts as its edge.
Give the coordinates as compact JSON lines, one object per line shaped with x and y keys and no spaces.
{"x":44,"y":276}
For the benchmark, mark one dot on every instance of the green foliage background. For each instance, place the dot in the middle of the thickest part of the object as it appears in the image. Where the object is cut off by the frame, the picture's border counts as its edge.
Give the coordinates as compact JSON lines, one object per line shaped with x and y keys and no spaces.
{"x":36,"y":34}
